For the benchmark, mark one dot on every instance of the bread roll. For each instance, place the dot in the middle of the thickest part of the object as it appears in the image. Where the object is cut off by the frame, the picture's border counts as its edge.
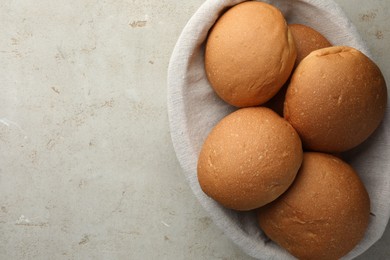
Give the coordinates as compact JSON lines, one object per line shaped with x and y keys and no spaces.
{"x":323,"y":215}
{"x":336,"y":99}
{"x":249,"y":159}
{"x":249,"y":54}
{"x":307,"y":40}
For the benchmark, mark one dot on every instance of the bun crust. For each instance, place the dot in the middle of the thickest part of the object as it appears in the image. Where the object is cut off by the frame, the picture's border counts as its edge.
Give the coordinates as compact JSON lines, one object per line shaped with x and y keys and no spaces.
{"x":249,"y":159}
{"x":336,"y":99}
{"x":323,"y":215}
{"x":249,"y":54}
{"x":307,"y":40}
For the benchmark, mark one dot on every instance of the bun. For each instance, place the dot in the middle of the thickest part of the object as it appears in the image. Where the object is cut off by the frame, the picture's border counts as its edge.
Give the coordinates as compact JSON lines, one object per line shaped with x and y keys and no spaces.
{"x":249,"y":54}
{"x":307,"y":40}
{"x":249,"y":159}
{"x":323,"y":215}
{"x":336,"y":99}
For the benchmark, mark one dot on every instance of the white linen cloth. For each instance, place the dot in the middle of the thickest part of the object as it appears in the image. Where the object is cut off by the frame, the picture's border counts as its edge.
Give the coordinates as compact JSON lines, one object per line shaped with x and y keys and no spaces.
{"x":194,"y":109}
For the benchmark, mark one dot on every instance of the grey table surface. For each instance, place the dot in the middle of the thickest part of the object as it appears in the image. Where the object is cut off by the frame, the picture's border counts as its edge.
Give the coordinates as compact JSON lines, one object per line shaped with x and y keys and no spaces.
{"x":87,"y":168}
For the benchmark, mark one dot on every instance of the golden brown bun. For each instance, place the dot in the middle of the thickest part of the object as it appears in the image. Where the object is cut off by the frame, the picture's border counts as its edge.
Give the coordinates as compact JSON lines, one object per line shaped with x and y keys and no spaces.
{"x":336,"y":99}
{"x":249,"y":159}
{"x":307,"y":40}
{"x":323,"y":215}
{"x":249,"y":54}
